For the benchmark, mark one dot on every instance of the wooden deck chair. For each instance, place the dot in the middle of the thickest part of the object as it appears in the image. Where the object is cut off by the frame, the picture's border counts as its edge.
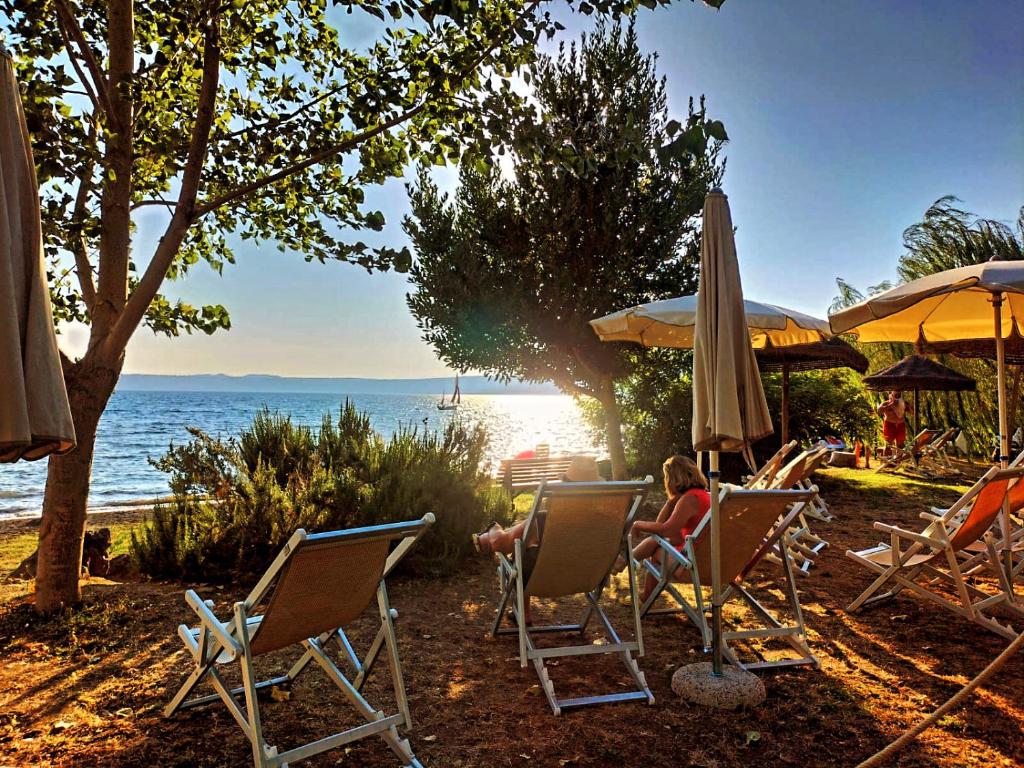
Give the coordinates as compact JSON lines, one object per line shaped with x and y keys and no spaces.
{"x":935,"y":555}
{"x":975,"y":556}
{"x":750,"y":529}
{"x":804,"y":544}
{"x":317,"y":585}
{"x":583,"y":528}
{"x":934,"y":453}
{"x":907,"y":454}
{"x":765,"y":476}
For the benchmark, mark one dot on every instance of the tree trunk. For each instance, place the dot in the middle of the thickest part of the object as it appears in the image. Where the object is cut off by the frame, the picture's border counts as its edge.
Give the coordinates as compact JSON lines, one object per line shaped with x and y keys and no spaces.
{"x":67,"y":491}
{"x":613,"y":424}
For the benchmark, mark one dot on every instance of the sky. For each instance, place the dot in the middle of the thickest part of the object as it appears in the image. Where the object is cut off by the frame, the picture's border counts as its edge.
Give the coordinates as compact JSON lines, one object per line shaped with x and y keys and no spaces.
{"x":846,"y":121}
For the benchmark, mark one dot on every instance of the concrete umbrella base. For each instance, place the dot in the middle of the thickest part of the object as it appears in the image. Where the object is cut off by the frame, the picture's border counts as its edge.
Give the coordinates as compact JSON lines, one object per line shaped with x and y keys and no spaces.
{"x":733,"y":689}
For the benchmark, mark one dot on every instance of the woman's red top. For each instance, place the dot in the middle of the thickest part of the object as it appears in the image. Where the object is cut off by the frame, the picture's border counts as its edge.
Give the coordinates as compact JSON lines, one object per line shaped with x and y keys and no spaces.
{"x":704,"y":504}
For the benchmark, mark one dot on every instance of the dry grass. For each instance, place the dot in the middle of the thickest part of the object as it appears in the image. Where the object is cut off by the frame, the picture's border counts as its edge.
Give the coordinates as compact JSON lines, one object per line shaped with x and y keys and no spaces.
{"x":86,"y":689}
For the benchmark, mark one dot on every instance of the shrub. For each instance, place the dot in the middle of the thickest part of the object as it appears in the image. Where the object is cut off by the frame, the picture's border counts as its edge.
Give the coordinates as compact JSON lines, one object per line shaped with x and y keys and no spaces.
{"x":657,"y":407}
{"x":236,"y":501}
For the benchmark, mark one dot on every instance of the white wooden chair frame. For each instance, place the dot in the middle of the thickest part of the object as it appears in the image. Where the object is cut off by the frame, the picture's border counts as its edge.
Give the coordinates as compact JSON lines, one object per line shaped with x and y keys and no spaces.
{"x":214,"y":643}
{"x":804,"y":545}
{"x":776,"y":541}
{"x":515,"y":593}
{"x":935,"y":452}
{"x":933,"y":545}
{"x":907,"y":453}
{"x":765,"y":476}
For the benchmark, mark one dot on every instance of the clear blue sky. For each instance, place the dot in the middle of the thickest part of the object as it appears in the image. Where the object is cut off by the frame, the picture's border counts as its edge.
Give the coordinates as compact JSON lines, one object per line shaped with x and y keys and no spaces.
{"x":846,"y":119}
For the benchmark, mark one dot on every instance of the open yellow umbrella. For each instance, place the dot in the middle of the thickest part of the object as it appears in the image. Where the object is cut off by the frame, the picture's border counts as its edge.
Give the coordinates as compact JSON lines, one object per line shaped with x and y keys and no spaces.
{"x":980,"y":301}
{"x":35,"y":419}
{"x":672,"y":323}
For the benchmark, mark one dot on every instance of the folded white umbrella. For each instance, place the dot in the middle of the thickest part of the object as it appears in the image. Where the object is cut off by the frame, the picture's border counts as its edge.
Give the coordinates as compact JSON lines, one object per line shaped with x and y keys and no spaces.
{"x":35,"y":419}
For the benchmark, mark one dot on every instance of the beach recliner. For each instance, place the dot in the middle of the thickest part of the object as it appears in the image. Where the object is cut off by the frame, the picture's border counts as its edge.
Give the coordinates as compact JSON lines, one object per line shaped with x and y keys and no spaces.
{"x":934,"y":453}
{"x":582,"y":529}
{"x":751,"y":528}
{"x":908,"y":454}
{"x":765,"y":476}
{"x":314,"y":588}
{"x":934,"y":557}
{"x":804,"y":544}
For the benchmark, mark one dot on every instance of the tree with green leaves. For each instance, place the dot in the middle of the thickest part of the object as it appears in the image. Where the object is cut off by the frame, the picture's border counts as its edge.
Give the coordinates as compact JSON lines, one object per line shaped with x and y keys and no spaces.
{"x":592,"y":207}
{"x":239,"y":121}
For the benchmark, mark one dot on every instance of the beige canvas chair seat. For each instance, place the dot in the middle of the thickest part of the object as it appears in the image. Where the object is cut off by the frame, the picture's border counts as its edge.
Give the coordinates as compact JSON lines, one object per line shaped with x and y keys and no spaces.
{"x":750,"y":529}
{"x":314,"y":588}
{"x":938,"y":556}
{"x":585,"y":528}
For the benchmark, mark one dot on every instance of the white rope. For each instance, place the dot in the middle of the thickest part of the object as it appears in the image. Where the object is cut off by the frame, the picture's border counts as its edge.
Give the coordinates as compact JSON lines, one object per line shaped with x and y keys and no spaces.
{"x":879,"y":757}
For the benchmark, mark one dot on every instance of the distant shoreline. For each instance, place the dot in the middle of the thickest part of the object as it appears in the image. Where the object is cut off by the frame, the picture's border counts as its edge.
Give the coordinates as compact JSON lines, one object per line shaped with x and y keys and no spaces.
{"x":310,"y":385}
{"x":118,"y":512}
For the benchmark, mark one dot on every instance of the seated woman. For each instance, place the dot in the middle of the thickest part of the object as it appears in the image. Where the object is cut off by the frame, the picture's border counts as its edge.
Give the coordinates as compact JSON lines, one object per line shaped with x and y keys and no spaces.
{"x":582,"y":469}
{"x":688,"y":503}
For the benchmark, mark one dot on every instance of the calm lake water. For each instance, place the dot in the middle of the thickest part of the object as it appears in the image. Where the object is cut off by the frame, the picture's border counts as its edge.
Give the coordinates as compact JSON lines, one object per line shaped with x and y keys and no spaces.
{"x":138,"y":425}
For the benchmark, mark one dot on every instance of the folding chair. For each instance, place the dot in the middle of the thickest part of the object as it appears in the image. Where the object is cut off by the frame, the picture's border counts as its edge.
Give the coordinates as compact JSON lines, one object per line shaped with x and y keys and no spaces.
{"x":945,"y":538}
{"x":582,"y":529}
{"x":908,"y":454}
{"x":317,"y":585}
{"x":805,"y":545}
{"x":765,"y":476}
{"x":934,"y":453}
{"x":750,"y":529}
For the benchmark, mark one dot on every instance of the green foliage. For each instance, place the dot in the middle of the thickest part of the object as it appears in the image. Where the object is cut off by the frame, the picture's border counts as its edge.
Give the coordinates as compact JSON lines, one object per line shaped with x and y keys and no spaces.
{"x":237,"y":501}
{"x":822,"y":404}
{"x":302,"y":122}
{"x":657,"y":409}
{"x":948,"y":237}
{"x":594,"y":208}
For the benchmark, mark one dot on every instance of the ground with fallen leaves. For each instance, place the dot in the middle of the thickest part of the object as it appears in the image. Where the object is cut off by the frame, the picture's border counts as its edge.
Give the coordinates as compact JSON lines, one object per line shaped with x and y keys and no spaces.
{"x":86,"y":689}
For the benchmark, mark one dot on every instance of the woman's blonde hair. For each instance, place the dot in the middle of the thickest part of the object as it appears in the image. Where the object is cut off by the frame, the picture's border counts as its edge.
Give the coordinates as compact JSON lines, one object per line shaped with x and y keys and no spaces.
{"x":682,"y":474}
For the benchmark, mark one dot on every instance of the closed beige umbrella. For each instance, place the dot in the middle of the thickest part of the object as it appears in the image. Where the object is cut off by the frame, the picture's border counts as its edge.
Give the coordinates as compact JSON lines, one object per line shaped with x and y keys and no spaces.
{"x":729,"y":408}
{"x":35,"y":419}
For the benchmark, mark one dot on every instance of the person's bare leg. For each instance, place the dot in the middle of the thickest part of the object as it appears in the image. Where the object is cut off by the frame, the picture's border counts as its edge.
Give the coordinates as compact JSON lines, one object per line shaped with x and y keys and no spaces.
{"x":503,"y":540}
{"x":650,"y":582}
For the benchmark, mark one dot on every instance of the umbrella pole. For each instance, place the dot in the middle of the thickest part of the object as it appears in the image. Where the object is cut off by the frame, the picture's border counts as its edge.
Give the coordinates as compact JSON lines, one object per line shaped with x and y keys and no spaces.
{"x":716,"y":568}
{"x":785,"y":404}
{"x":1004,"y":438}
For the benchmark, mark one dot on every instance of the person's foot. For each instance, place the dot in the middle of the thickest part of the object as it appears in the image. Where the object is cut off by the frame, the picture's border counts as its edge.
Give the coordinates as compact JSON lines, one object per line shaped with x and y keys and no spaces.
{"x":620,"y":564}
{"x":483,"y":542}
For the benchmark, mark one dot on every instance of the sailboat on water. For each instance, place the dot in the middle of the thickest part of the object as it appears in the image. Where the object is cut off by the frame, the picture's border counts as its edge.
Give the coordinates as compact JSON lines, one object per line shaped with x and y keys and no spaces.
{"x":453,"y":404}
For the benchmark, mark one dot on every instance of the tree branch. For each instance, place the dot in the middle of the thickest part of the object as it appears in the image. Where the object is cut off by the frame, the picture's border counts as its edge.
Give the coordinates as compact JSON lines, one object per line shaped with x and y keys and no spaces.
{"x":70,"y":30}
{"x":312,"y":160}
{"x":79,"y":246}
{"x":184,"y":211}
{"x":349,"y":143}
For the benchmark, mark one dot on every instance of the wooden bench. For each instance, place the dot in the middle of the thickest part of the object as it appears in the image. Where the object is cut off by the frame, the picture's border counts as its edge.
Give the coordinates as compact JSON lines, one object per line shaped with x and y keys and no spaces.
{"x":523,"y":475}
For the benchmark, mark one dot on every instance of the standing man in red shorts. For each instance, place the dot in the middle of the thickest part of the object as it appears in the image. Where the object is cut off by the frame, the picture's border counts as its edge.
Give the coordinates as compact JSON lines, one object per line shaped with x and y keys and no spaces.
{"x":894,"y":421}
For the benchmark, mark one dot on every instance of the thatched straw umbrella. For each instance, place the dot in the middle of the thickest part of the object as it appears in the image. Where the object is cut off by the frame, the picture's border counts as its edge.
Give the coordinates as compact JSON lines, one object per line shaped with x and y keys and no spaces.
{"x":817,"y":356}
{"x":919,"y":373}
